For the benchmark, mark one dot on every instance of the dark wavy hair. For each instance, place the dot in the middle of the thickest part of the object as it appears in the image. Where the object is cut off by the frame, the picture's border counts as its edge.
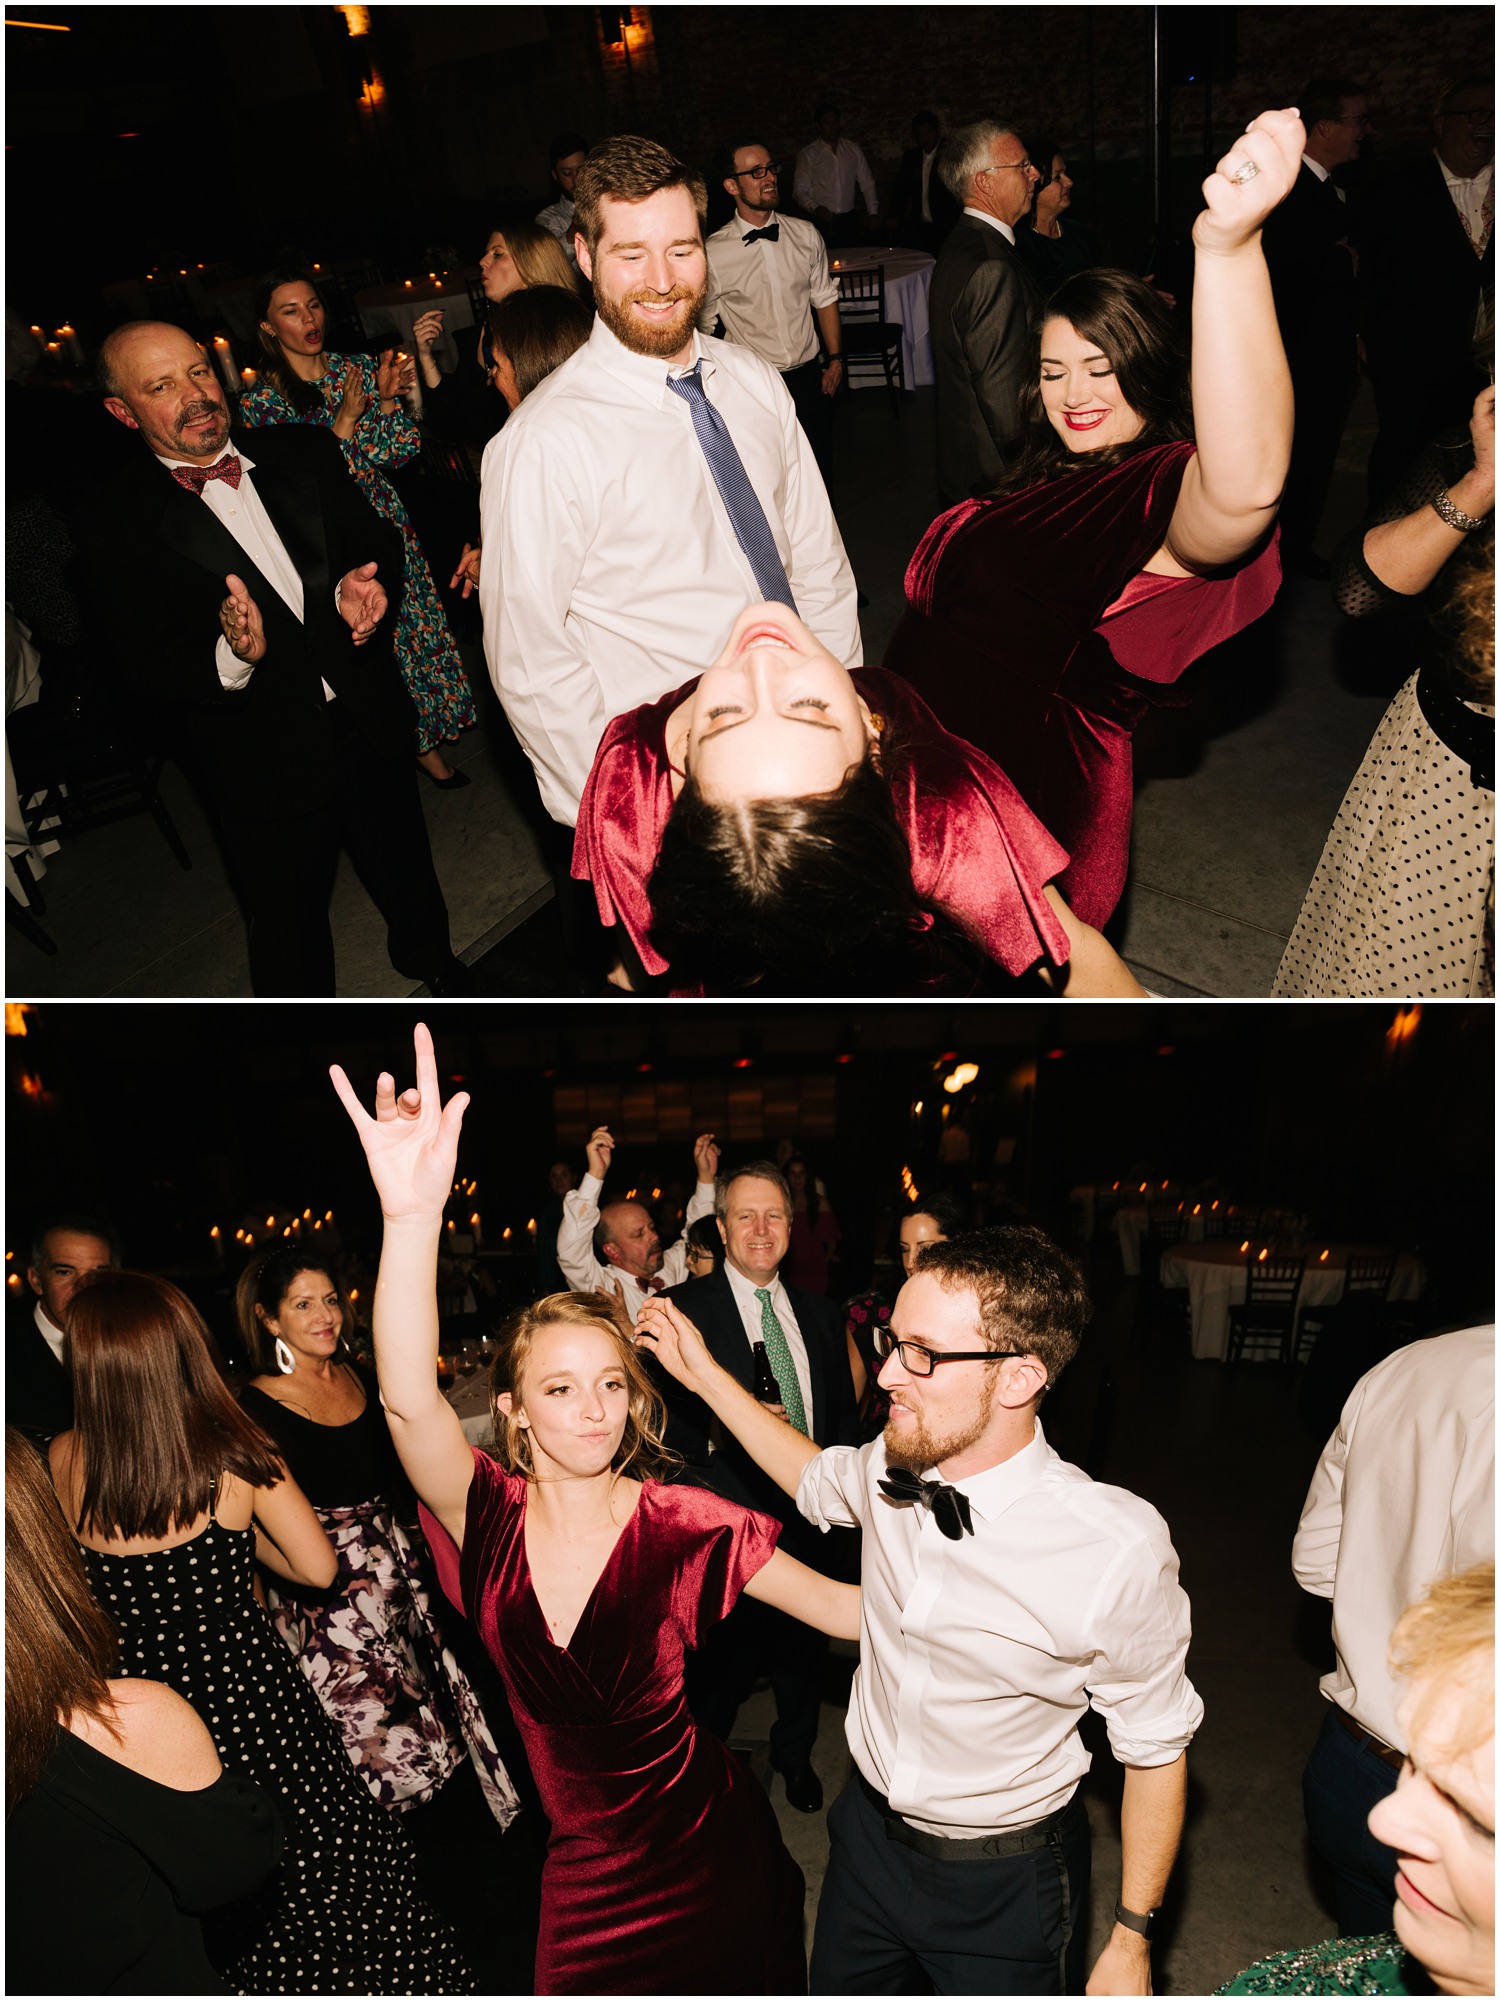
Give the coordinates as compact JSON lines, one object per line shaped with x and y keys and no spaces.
{"x":809,"y":895}
{"x":264,"y":1284}
{"x":1123,"y":317}
{"x":304,"y":396}
{"x":537,"y":329}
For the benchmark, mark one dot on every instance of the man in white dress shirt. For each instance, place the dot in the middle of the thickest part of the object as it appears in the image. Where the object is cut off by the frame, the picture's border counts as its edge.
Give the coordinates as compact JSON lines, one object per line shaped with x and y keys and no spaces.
{"x":770,"y":287}
{"x":827,"y":173}
{"x":613,"y":569}
{"x":65,"y":1250}
{"x":617,"y":1247}
{"x":1403,"y":1494}
{"x":999,"y":1602}
{"x":565,"y":157}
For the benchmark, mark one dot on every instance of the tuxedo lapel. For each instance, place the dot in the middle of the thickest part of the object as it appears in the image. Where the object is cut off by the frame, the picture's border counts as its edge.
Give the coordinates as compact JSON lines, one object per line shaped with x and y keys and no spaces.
{"x":190,"y":526}
{"x":296,"y":510}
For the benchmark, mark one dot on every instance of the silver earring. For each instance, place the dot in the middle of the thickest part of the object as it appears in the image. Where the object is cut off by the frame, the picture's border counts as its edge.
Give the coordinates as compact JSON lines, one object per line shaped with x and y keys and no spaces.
{"x":286,"y":1361}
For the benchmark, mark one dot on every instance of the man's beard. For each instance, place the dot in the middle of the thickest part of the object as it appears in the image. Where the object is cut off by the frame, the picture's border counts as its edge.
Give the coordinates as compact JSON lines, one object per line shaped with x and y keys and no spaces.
{"x":192,"y":416}
{"x":662,"y":339}
{"x":920,"y":1449}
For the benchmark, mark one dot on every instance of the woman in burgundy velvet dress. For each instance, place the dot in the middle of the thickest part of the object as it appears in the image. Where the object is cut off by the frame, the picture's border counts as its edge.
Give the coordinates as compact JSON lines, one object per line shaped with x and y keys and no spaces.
{"x":782,"y":821}
{"x":1045,"y":621}
{"x":588,"y":1579}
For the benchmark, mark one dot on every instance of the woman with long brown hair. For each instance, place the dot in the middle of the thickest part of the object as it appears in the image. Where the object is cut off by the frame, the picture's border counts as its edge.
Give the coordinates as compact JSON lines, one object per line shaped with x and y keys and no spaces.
{"x":372,"y":1646}
{"x":174,"y":1494}
{"x":588,"y":1577}
{"x":109,"y":1782}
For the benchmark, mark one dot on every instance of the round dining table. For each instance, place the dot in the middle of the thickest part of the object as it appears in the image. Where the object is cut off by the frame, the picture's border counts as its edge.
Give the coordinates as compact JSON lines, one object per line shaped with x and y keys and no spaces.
{"x":908,"y":280}
{"x":1214,"y":1275}
{"x":1130,"y":1225}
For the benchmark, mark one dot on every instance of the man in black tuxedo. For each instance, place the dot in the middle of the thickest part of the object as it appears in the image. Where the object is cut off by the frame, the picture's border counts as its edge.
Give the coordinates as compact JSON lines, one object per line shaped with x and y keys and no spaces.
{"x":1308,"y":243}
{"x":920,"y":203}
{"x":248,"y":591}
{"x":742,"y":1303}
{"x":981,"y":308}
{"x":1429,"y":280}
{"x":64,"y":1251}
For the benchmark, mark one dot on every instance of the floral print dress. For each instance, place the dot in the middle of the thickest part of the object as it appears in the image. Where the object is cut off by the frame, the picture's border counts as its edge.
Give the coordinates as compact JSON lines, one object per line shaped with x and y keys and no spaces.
{"x":425,"y":648}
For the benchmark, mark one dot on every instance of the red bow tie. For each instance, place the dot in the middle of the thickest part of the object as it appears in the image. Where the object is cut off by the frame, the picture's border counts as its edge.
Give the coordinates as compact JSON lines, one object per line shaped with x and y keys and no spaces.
{"x":653,"y":1284}
{"x":195,"y":478}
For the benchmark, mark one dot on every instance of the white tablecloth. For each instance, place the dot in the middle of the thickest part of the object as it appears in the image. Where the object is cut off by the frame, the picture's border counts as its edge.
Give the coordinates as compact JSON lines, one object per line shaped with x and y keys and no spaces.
{"x":390,"y":312}
{"x":1214,"y":1274}
{"x":908,"y":279}
{"x":1130,"y":1226}
{"x":470,"y":1397}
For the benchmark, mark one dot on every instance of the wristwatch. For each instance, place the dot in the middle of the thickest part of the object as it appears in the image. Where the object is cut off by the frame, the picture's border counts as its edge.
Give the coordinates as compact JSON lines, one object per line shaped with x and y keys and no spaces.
{"x":1137,"y":1921}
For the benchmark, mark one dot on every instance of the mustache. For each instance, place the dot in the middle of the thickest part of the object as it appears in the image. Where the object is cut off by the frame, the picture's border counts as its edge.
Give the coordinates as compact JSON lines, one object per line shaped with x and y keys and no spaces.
{"x":644,"y":296}
{"x":196,"y":410}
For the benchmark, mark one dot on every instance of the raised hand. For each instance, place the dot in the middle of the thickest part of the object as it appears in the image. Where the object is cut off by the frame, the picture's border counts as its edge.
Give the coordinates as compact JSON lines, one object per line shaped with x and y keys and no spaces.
{"x":467,"y":571}
{"x":241,"y":622}
{"x":600,"y":1152}
{"x":428,"y":327}
{"x":668,"y":1334}
{"x":411,"y":1144}
{"x":706,"y":1157}
{"x":361,"y":601}
{"x":393,"y":375}
{"x":1239,"y":199}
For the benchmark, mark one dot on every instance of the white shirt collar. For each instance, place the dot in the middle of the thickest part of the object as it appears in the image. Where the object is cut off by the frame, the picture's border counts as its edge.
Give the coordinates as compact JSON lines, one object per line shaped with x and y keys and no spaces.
{"x":245,"y":459}
{"x":1315,"y":167}
{"x":49,"y":1330}
{"x":994,"y":222}
{"x":645,"y":375}
{"x":1462,"y":180}
{"x":744,"y":1288}
{"x":999,"y":1487}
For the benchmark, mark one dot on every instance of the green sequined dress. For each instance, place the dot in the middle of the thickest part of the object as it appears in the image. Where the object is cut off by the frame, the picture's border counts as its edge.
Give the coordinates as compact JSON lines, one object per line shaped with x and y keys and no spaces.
{"x":1375,"y":1965}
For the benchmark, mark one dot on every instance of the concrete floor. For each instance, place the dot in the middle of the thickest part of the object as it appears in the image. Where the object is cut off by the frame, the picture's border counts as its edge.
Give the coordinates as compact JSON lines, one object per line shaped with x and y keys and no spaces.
{"x":1228,"y":1465}
{"x":1236,"y":795}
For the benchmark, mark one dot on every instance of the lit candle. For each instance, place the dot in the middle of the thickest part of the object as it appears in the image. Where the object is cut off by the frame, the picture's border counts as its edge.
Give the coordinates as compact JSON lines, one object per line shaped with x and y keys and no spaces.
{"x":54,"y":347}
{"x":248,"y":378}
{"x":224,"y":362}
{"x":217,"y":1240}
{"x":40,"y":338}
{"x":14,"y":1281}
{"x":531,"y":1226}
{"x":1262,"y":1258}
{"x":475,"y":1227}
{"x":408,"y":284}
{"x":1197,"y":1208}
{"x":1323,"y":1258}
{"x":505,"y":1234}
{"x":327,"y":1215}
{"x":1246,"y":1245}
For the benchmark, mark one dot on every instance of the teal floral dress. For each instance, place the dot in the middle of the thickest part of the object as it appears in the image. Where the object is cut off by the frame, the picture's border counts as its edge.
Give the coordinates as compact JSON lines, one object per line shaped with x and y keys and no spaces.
{"x":425,"y":648}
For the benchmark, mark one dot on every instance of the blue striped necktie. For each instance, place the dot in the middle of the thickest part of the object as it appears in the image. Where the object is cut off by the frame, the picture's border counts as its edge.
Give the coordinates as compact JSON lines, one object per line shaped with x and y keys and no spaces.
{"x":746,"y":515}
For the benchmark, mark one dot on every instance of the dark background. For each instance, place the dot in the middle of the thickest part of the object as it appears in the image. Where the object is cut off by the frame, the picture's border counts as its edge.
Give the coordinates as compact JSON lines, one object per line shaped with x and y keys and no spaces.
{"x":167,"y":136}
{"x":1375,"y":1120}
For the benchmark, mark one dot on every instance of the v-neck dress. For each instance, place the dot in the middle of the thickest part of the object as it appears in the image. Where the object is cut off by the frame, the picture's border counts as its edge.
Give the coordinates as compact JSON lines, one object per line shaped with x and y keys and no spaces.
{"x":665,"y":1872}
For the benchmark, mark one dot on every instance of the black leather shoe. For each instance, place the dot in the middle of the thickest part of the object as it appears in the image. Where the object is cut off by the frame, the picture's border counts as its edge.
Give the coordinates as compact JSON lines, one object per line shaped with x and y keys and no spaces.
{"x":804,"y":1789}
{"x":447,"y":981}
{"x":454,"y":782}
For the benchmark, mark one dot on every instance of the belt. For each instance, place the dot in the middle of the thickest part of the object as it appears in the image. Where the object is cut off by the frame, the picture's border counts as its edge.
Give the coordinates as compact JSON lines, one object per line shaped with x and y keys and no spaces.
{"x":1471,"y":738}
{"x":1369,"y":1741}
{"x":1068,"y":1820}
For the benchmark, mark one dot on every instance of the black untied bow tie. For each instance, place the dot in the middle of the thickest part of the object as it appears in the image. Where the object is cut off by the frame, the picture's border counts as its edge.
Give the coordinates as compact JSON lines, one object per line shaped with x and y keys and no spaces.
{"x":771,"y":232}
{"x":947,"y":1506}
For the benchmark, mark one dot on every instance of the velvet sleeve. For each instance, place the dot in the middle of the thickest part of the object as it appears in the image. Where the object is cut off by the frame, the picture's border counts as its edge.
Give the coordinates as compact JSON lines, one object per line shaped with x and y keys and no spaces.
{"x":1159,"y":626}
{"x":723,"y":1547}
{"x":493,"y":1495}
{"x":625,"y":805}
{"x":978,"y":851}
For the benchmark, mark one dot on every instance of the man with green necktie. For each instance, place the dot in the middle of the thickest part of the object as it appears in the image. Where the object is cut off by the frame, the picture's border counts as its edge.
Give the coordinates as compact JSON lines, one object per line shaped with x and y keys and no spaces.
{"x":745,"y":1303}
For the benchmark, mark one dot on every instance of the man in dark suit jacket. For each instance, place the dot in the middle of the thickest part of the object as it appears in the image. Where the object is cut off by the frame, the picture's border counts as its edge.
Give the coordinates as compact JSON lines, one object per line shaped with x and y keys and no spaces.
{"x":742,"y":1303}
{"x":249,"y":594}
{"x":920,"y":203}
{"x":38,"y":1399}
{"x":1310,"y":256}
{"x":981,"y":308}
{"x":1428,"y":266}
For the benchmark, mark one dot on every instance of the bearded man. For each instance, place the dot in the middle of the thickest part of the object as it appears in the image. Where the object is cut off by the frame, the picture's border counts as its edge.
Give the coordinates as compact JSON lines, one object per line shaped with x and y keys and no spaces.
{"x":652,"y":487}
{"x":1000,"y":1600}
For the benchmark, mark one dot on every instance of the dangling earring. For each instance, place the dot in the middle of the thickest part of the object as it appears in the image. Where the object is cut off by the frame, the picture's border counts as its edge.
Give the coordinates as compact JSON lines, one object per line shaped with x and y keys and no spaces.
{"x":286,"y":1361}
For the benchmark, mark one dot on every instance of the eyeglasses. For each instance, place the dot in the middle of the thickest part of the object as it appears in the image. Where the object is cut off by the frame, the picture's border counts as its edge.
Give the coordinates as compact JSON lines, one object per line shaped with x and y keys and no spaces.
{"x":1008,"y":166}
{"x":757,"y":173}
{"x":1362,"y":120}
{"x":1475,"y":117}
{"x":920,"y":1361}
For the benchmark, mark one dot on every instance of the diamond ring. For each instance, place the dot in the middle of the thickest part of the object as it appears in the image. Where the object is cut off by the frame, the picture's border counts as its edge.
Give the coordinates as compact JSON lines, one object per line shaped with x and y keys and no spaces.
{"x":1245,"y":171}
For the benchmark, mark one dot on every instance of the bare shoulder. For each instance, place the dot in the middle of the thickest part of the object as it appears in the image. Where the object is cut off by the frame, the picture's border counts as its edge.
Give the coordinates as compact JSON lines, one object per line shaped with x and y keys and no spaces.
{"x":161,"y":1736}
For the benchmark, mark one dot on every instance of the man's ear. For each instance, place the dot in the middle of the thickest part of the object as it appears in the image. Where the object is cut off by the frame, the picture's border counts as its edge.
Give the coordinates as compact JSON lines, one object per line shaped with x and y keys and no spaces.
{"x":611,"y":1254}
{"x":581,"y":252}
{"x":121,"y":413}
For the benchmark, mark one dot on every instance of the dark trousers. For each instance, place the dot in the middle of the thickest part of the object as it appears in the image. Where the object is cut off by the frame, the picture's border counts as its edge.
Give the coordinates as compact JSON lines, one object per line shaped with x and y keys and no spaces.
{"x":758,"y":1640}
{"x":891,"y":1921}
{"x":284,"y":868}
{"x":1343,"y":1780}
{"x":814,"y":409}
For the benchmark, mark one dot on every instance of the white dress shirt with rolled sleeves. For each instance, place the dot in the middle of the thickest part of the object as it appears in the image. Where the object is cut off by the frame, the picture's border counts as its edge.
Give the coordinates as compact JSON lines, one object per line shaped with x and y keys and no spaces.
{"x":978,"y":1657}
{"x":575,"y":1246}
{"x":750,"y":1313}
{"x":826,"y":177}
{"x":611,"y":571}
{"x":240,"y":510}
{"x":1403,"y":1494}
{"x":765,"y":293}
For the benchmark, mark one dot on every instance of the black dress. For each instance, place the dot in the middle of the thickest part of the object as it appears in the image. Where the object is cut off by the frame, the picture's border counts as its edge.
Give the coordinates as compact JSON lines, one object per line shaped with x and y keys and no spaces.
{"x":147,"y":1857}
{"x":341,"y":1914}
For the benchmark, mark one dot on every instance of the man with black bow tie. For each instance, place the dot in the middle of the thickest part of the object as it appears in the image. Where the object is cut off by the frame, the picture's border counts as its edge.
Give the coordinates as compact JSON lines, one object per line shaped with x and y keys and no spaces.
{"x":1000,"y":1600}
{"x":251,"y":597}
{"x":770,"y":288}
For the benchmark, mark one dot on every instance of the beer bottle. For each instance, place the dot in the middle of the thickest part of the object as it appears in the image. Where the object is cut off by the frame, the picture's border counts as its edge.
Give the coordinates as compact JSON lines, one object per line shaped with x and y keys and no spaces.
{"x":767,"y":1389}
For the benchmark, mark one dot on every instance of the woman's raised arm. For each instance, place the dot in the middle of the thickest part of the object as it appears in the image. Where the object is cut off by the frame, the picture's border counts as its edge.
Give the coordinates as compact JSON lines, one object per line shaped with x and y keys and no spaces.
{"x":411,"y":1147}
{"x":1242,"y":389}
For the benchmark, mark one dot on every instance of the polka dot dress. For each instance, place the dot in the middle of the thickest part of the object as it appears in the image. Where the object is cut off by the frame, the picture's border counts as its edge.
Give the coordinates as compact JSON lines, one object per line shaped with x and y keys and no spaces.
{"x":1402,"y":904}
{"x":340,"y":1915}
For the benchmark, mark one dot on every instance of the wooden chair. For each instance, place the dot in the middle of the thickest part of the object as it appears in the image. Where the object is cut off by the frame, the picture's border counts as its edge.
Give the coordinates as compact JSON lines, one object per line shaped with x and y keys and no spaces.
{"x":1268,"y":1316}
{"x":1359,"y":1310}
{"x":872,"y":343}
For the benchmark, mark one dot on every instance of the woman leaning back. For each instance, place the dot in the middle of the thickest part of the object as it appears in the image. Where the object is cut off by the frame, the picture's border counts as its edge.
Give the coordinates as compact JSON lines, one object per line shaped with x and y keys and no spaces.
{"x":588,"y":1578}
{"x":1045,"y":620}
